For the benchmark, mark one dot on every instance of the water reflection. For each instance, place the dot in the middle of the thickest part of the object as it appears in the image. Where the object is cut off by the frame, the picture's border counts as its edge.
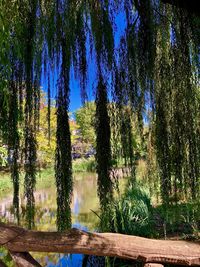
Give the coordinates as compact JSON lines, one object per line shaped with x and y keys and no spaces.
{"x":84,"y":201}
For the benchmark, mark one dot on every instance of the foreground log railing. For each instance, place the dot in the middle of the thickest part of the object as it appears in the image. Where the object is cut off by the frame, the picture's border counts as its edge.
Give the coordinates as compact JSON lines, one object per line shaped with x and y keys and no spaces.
{"x":149,"y":251}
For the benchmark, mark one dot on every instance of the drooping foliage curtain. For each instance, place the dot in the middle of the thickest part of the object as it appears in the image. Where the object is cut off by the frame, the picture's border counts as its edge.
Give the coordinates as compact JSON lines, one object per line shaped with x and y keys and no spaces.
{"x":148,"y":69}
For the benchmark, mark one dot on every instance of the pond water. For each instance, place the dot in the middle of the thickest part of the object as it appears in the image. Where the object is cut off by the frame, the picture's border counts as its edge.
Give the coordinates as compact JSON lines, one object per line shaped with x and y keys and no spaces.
{"x":84,"y":205}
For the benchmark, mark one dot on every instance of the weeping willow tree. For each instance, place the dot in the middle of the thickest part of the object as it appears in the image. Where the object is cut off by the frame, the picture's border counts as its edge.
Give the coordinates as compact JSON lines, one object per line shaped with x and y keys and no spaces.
{"x":177,"y":108}
{"x":154,"y":67}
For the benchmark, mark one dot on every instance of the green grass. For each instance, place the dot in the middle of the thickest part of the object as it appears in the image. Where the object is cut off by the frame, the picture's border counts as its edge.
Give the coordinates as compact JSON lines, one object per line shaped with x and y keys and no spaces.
{"x":44,"y":180}
{"x":5,"y":183}
{"x":5,"y":257}
{"x":132,"y":212}
{"x":181,"y":220}
{"x":84,"y":165}
{"x":45,"y":177}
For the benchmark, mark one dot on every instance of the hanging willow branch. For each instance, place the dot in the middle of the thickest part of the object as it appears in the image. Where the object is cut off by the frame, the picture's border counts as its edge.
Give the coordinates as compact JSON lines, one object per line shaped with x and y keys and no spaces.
{"x":30,"y":174}
{"x":103,"y":152}
{"x":63,"y":166}
{"x":30,"y":139}
{"x":14,"y":143}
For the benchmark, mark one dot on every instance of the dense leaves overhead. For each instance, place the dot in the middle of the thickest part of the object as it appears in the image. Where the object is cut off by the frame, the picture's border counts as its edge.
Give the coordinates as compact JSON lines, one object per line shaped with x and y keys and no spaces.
{"x":150,"y":66}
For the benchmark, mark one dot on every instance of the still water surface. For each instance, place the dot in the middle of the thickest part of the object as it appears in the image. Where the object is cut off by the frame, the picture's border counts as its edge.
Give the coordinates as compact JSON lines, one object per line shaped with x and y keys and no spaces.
{"x":84,"y":202}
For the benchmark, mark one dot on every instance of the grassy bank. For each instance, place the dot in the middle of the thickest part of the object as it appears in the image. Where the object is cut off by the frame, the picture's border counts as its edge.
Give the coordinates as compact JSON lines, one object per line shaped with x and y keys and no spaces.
{"x":45,"y":177}
{"x":84,"y":165}
{"x":5,"y":183}
{"x":133,"y":213}
{"x":44,"y":180}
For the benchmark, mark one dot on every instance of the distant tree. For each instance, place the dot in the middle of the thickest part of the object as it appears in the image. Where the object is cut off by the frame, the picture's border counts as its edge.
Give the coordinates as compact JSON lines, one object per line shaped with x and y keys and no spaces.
{"x":85,"y":117}
{"x":46,"y":135}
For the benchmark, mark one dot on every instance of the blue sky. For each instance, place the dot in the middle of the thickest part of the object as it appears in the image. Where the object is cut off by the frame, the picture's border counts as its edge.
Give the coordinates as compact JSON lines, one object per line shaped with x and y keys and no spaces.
{"x":75,"y":97}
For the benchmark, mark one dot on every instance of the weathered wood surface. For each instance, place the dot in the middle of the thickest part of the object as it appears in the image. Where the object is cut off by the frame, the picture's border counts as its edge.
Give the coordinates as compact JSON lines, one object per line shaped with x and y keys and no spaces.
{"x":153,"y":265}
{"x":24,"y":259}
{"x":101,"y":244}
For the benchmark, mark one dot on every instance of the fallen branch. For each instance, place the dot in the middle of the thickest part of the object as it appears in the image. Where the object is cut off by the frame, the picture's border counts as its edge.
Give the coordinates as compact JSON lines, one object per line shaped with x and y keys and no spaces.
{"x":101,"y":244}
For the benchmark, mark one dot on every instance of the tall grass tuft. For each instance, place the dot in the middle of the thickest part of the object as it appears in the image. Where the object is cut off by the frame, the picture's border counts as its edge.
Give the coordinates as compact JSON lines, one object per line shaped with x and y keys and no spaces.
{"x":132,"y":212}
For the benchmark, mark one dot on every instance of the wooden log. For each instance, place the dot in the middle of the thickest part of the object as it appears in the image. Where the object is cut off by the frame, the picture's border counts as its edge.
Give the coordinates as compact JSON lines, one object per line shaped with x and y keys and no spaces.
{"x":103,"y":244}
{"x":24,"y":259}
{"x":8,"y":232}
{"x":153,"y":265}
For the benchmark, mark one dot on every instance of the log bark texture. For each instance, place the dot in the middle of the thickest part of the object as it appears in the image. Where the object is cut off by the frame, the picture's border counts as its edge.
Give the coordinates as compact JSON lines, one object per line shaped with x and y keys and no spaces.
{"x":153,"y":265}
{"x":24,"y":259}
{"x":101,"y":244}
